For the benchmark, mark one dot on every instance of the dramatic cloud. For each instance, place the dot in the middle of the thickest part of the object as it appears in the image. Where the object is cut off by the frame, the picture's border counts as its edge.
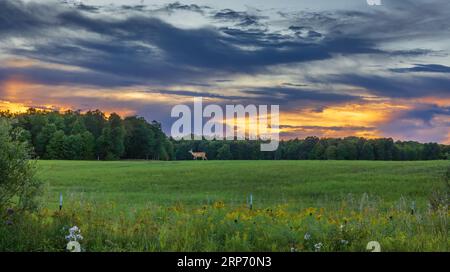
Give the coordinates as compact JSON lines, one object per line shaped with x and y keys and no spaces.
{"x":430,"y":68}
{"x":395,"y":87}
{"x":318,"y":60}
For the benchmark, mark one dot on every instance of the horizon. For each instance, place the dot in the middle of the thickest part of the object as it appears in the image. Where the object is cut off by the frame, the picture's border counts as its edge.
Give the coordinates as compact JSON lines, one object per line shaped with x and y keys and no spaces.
{"x":192,"y":135}
{"x":336,"y":70}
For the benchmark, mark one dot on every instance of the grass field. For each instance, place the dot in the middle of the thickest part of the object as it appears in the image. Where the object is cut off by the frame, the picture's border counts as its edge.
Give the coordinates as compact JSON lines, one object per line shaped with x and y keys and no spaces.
{"x":135,"y":184}
{"x":201,"y":206}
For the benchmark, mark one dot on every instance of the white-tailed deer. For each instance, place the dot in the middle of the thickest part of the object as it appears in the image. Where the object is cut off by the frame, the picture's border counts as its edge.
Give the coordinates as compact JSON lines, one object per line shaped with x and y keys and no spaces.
{"x":196,"y":155}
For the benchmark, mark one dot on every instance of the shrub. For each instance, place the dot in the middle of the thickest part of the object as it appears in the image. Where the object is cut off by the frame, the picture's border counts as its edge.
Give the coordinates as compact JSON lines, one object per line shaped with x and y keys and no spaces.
{"x":17,"y":173}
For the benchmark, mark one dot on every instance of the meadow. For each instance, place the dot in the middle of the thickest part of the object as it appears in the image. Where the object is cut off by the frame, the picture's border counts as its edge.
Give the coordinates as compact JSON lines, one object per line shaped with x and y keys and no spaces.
{"x":203,"y":206}
{"x":301,"y":184}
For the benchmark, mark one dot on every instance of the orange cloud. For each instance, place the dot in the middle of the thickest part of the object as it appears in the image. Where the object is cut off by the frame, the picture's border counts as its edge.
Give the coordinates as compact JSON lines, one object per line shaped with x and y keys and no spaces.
{"x":345,"y":117}
{"x":360,"y":119}
{"x":28,"y":63}
{"x":439,"y":101}
{"x":18,"y":94}
{"x":447,"y":141}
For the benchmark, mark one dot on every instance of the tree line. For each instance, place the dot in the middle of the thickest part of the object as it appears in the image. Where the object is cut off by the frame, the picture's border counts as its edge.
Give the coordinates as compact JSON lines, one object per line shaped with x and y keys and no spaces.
{"x":314,"y":148}
{"x":73,"y":135}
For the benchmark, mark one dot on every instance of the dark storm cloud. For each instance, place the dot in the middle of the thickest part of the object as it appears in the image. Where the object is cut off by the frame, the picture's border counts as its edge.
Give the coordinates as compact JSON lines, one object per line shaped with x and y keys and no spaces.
{"x":20,"y":19}
{"x":419,"y":123}
{"x":198,"y":94}
{"x":426,"y":113}
{"x":267,"y":96}
{"x":123,"y":53}
{"x":284,"y":95}
{"x":241,"y":18}
{"x":431,"y":68}
{"x":394,"y":87}
{"x":203,"y":48}
{"x":88,"y":8}
{"x":134,"y":7}
{"x":191,"y":7}
{"x":289,"y":84}
{"x":148,"y":49}
{"x":52,"y":77}
{"x":397,"y":21}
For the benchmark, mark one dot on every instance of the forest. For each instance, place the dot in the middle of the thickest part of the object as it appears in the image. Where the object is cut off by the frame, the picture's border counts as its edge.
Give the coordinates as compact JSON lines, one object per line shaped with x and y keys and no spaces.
{"x":73,"y":135}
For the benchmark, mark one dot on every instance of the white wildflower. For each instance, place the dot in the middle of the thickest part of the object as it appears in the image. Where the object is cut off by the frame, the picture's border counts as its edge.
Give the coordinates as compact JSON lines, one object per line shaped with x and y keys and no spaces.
{"x":74,"y":229}
{"x":318,"y":246}
{"x":307,"y":236}
{"x":73,"y":246}
{"x":74,"y":234}
{"x":73,"y":239}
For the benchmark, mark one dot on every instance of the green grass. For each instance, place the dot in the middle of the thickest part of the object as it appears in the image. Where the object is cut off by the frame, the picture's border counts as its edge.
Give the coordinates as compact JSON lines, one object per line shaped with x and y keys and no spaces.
{"x":201,"y":206}
{"x":136,"y":184}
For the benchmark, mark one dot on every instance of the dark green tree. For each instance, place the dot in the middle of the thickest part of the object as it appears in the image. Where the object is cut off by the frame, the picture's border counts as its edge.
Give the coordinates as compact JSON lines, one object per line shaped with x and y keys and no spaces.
{"x":139,"y":138}
{"x":367,"y":152}
{"x":55,"y":147}
{"x":331,"y":153}
{"x":112,"y":138}
{"x":431,"y":151}
{"x":73,"y":147}
{"x":43,"y":138}
{"x":224,"y":153}
{"x":88,"y":146}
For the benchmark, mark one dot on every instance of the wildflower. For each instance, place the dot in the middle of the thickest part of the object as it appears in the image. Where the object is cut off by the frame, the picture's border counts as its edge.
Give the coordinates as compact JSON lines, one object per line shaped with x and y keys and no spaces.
{"x":344,"y":242}
{"x":73,"y":246}
{"x":307,"y":236}
{"x":318,"y":246}
{"x":218,"y":205}
{"x":310,"y":211}
{"x":74,"y":234}
{"x":341,"y":227}
{"x":74,"y":229}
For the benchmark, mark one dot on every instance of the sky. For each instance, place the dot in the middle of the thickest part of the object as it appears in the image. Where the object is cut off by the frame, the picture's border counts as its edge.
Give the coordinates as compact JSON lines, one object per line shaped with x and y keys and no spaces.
{"x":336,"y":68}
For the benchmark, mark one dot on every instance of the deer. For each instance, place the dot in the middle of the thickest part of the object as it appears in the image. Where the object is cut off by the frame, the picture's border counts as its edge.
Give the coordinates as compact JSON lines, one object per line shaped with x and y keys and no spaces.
{"x":196,"y":155}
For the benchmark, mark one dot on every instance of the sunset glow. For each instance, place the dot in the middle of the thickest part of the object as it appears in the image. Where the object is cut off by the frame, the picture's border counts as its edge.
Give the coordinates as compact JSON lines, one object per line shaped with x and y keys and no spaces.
{"x":331,"y":72}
